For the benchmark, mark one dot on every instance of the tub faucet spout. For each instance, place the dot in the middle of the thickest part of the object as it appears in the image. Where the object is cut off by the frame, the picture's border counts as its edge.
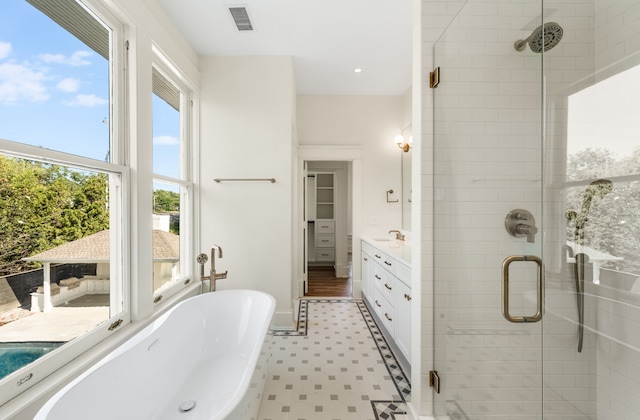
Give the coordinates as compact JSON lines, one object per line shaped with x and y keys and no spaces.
{"x":213,"y":275}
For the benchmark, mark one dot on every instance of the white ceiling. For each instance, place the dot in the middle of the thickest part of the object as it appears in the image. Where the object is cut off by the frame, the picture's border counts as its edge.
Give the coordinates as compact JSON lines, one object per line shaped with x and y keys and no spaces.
{"x":327,"y":40}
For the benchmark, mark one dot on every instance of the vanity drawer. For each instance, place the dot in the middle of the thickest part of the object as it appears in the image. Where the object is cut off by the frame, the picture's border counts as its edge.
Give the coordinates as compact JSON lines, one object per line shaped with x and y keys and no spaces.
{"x":385,"y":282}
{"x":325,"y":226}
{"x":325,"y":240}
{"x":385,"y":311}
{"x":325,"y":254}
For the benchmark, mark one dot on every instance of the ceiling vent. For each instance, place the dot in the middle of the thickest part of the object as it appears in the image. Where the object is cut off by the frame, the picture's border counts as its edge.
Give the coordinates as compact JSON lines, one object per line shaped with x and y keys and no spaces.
{"x":240,"y":16}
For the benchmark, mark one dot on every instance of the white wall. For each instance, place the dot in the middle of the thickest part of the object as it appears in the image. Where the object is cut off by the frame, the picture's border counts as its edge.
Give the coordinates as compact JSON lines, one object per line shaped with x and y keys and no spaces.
{"x":246,"y":132}
{"x":370,"y":122}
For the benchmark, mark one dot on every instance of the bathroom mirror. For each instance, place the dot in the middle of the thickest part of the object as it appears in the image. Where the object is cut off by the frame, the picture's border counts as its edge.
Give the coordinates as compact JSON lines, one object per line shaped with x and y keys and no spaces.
{"x":406,"y":182}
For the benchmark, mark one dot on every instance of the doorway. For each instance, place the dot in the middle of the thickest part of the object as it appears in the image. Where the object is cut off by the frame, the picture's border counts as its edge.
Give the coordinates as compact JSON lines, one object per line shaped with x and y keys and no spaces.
{"x":328,"y":209}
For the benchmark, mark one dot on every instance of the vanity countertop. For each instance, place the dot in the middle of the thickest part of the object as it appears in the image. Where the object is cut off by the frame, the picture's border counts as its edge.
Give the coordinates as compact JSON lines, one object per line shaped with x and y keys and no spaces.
{"x":400,"y":250}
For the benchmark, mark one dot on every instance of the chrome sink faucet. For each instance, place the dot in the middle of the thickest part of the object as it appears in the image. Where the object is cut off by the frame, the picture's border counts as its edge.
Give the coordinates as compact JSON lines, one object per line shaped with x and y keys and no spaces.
{"x":213,"y":276}
{"x":399,"y":235}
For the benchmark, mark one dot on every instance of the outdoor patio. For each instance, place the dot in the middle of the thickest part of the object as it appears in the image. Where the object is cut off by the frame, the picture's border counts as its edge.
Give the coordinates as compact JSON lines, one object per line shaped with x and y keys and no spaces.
{"x":63,"y":323}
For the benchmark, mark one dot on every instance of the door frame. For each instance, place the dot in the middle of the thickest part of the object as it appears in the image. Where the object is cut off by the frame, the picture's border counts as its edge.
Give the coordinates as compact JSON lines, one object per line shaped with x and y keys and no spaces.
{"x":351,"y":154}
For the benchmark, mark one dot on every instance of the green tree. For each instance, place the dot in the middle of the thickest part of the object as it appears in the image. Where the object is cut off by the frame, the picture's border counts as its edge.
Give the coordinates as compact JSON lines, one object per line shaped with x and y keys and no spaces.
{"x":168,"y":202}
{"x":165,"y":201}
{"x":43,"y":206}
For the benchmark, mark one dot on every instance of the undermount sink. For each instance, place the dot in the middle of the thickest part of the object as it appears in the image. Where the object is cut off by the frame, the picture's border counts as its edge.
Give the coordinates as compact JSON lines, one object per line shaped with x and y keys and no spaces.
{"x":382,"y":239}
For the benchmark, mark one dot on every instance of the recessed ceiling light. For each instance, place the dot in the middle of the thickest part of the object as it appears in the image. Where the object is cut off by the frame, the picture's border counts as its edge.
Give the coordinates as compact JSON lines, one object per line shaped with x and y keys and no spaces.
{"x":358,"y":70}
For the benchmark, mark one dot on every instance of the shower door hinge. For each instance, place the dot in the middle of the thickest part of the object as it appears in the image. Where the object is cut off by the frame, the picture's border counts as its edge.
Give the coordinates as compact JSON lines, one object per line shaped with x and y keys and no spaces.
{"x":434,"y":380}
{"x":434,"y":78}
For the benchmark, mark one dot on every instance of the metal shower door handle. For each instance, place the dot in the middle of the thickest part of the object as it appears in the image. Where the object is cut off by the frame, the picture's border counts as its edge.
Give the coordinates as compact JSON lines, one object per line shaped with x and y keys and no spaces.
{"x":505,"y":289}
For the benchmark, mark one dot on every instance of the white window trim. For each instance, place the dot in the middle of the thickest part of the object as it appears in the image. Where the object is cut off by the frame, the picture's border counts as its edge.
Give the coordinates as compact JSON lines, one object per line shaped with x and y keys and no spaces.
{"x":24,"y":378}
{"x":31,"y":375}
{"x":124,"y":120}
{"x":186,"y":181}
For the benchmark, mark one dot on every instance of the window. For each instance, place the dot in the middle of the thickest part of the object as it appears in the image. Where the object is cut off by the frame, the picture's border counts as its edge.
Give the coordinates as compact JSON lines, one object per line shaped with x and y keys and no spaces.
{"x":62,"y":187}
{"x":172,"y":186}
{"x":603,"y":178}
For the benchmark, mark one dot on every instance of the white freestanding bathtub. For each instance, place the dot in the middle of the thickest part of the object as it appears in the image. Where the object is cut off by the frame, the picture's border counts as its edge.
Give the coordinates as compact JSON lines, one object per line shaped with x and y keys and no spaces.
{"x":206,"y":358}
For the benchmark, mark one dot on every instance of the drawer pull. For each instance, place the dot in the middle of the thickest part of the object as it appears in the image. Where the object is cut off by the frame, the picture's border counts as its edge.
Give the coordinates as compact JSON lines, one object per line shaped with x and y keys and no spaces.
{"x":379,"y":306}
{"x":377,"y":256}
{"x":406,"y":296}
{"x":386,"y":315}
{"x":388,"y":263}
{"x":387,"y":286}
{"x":378,"y":277}
{"x":324,"y":240}
{"x":366,"y":259}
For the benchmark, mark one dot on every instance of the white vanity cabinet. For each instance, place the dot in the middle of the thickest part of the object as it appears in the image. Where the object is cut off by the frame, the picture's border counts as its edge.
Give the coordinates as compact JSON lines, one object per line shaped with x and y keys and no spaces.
{"x":386,"y":280}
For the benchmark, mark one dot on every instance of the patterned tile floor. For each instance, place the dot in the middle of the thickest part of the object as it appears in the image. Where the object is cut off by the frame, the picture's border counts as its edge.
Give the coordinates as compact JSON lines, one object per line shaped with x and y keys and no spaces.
{"x":336,"y":366}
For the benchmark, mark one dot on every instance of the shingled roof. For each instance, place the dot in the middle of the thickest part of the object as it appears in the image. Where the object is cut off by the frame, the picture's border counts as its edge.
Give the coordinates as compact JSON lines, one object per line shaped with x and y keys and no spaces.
{"x":95,"y":248}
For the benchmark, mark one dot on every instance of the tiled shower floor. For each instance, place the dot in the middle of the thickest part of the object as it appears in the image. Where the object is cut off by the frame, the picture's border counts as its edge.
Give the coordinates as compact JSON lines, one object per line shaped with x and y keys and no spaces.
{"x":336,"y":365}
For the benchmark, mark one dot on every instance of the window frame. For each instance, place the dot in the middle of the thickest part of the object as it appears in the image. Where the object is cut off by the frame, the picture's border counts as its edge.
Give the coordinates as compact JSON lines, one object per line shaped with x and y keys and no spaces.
{"x":32,"y":374}
{"x":24,"y":378}
{"x":186,"y":182}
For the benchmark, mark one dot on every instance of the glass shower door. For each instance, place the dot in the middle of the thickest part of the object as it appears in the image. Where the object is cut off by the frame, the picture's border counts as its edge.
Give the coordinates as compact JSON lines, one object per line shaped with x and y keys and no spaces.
{"x":555,"y":134}
{"x":487,"y":165}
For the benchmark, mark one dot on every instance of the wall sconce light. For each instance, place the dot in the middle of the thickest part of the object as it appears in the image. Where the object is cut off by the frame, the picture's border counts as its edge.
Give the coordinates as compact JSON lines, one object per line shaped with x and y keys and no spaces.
{"x":404,"y":145}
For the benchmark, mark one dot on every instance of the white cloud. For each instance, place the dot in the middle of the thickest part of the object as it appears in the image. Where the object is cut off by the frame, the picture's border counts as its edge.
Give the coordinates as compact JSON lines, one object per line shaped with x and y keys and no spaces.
{"x":19,"y":82}
{"x":166,"y":140}
{"x":68,"y":85}
{"x":76,"y":59}
{"x":87,"y":100}
{"x":5,"y":49}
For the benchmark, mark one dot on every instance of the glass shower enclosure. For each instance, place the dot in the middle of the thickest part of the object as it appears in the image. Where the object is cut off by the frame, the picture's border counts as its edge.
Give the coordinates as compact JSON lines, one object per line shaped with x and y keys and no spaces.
{"x":537,"y":211}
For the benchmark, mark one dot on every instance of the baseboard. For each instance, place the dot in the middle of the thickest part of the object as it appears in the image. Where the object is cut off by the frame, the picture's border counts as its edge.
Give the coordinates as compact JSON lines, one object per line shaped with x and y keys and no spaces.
{"x":342,"y":270}
{"x":282,"y":321}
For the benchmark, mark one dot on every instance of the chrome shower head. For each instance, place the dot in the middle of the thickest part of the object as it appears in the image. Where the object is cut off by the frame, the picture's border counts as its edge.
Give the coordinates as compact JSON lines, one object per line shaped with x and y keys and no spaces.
{"x":544,"y":37}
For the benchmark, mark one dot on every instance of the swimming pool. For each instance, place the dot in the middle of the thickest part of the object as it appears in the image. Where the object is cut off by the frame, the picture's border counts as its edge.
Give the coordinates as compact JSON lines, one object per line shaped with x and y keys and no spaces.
{"x":13,"y":356}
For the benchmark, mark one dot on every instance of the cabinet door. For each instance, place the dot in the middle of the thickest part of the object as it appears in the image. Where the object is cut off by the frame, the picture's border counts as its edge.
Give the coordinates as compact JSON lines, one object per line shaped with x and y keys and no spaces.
{"x":403,"y":318}
{"x":366,"y":272}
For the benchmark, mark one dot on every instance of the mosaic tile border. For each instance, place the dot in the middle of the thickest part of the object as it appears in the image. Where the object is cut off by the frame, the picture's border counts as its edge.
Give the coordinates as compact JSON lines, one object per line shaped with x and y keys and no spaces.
{"x":382,"y":410}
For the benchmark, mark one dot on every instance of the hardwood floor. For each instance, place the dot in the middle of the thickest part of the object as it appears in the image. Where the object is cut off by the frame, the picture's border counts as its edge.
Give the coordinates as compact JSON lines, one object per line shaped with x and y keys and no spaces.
{"x":324,"y":283}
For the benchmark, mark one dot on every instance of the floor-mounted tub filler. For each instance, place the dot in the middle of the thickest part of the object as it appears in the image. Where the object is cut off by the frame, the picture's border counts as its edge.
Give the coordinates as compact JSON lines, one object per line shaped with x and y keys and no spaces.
{"x":206,"y":358}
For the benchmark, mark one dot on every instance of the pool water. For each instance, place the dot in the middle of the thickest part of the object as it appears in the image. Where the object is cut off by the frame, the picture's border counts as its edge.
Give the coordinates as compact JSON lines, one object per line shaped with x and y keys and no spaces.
{"x":13,"y":356}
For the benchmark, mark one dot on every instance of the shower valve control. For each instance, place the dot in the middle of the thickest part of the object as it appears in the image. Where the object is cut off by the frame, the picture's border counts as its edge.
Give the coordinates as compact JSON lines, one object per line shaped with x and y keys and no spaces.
{"x":520,"y":223}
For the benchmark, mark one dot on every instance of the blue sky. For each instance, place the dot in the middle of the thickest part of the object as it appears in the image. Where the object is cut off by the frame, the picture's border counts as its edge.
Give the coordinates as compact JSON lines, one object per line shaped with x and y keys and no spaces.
{"x":54,"y":91}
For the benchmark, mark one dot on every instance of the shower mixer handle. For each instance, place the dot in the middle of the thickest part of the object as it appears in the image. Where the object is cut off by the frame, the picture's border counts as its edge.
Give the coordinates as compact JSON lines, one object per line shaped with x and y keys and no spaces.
{"x":528,"y":231}
{"x":520,"y":223}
